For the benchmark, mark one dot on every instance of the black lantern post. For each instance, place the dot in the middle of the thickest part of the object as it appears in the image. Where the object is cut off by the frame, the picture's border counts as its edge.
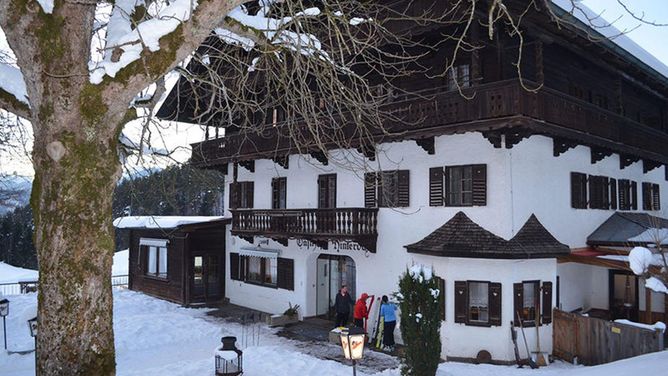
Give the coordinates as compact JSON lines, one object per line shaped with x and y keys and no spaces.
{"x":4,"y":311}
{"x":352,"y":343}
{"x":229,"y":359}
{"x":32,"y":324}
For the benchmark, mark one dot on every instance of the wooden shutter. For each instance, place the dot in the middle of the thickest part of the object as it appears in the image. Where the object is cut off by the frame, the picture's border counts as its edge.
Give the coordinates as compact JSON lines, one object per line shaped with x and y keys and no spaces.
{"x":613,"y":194}
{"x":656,"y":197}
{"x":275,"y":194}
{"x":234,"y":266}
{"x":436,"y":192}
{"x":286,"y":273}
{"x":403,"y":188}
{"x":461,"y":301}
{"x":624,"y":194}
{"x":495,"y":304}
{"x":518,"y":301}
{"x":446,"y":186}
{"x":370,"y":190}
{"x":646,"y":196}
{"x":634,"y":195}
{"x":547,"y":302}
{"x":322,"y":191}
{"x":605,"y":192}
{"x":578,"y":190}
{"x":441,"y":296}
{"x":234,"y":196}
{"x":479,"y":184}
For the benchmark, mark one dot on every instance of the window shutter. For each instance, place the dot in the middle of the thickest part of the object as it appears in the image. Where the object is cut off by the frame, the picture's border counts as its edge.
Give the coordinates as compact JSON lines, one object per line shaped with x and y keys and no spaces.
{"x":518,"y":302}
{"x":436,"y":193}
{"x":634,"y":195}
{"x":495,"y":304}
{"x":275,"y":194}
{"x":234,"y":266}
{"x":646,"y":196}
{"x":605,"y":191}
{"x":624,"y":193}
{"x":286,"y":276}
{"x":403,"y":188}
{"x":578,"y":190}
{"x":234,"y":195}
{"x":613,"y":194}
{"x":446,"y":186}
{"x":322,"y":191}
{"x":370,"y":190}
{"x":656,"y":197}
{"x":250,"y":191}
{"x":547,"y":302}
{"x":441,"y":296}
{"x":461,"y":301}
{"x":479,"y":183}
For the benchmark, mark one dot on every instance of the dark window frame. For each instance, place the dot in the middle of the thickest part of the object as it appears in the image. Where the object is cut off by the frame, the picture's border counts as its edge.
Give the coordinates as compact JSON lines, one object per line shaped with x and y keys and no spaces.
{"x":387,"y":189}
{"x":494,"y":304}
{"x":285,"y":272}
{"x":327,"y":186}
{"x":471,"y":185}
{"x":241,"y":195}
{"x":279,"y":193}
{"x":157,"y":275}
{"x":530,"y":320}
{"x":651,"y":196}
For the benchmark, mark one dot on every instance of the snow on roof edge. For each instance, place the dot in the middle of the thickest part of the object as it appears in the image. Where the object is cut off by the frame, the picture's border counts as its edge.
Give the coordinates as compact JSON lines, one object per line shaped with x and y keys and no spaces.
{"x":613,"y":34}
{"x":156,"y":222}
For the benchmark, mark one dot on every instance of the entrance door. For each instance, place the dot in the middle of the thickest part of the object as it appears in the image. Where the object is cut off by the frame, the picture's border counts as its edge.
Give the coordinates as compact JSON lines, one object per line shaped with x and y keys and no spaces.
{"x":333,"y":272}
{"x":623,"y":295}
{"x":205,"y":281}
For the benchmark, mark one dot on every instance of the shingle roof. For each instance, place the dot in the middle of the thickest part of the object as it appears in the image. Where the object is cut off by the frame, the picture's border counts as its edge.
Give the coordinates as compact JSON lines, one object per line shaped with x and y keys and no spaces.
{"x":620,"y":227}
{"x":461,"y":237}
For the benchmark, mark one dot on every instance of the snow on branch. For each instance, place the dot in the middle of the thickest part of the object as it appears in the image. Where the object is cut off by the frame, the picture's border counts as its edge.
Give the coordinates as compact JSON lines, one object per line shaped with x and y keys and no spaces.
{"x":11,"y":81}
{"x":126,"y":38}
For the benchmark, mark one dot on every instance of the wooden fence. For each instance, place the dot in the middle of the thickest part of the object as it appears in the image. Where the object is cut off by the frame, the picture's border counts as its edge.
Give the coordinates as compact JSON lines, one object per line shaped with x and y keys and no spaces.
{"x":591,"y":341}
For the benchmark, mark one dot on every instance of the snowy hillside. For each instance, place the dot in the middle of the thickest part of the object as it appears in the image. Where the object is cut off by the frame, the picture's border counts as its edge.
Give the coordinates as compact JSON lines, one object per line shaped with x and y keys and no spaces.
{"x":14,"y":192}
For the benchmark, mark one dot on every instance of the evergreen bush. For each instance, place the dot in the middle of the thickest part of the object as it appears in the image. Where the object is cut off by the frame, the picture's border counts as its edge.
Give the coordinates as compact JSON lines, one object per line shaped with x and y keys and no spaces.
{"x":420,"y":321}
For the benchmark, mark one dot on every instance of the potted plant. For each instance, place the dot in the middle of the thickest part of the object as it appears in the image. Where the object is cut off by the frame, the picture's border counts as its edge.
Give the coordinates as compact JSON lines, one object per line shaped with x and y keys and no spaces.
{"x":290,"y":316}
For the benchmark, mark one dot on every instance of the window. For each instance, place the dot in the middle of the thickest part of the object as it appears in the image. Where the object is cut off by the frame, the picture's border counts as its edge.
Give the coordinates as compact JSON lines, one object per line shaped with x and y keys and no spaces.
{"x":628,"y":194}
{"x":270,"y":272}
{"x":651,"y":196}
{"x":578,"y":190}
{"x":327,"y":191}
{"x":278,"y":193}
{"x":156,"y":261}
{"x":241,"y":195}
{"x":599,"y":193}
{"x":478,"y":303}
{"x":386,"y":189}
{"x":459,"y":77}
{"x":528,"y":298}
{"x":458,"y":185}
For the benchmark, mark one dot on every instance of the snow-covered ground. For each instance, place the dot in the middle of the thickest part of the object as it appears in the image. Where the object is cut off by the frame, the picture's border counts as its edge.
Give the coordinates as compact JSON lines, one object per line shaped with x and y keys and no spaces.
{"x":155,"y":337}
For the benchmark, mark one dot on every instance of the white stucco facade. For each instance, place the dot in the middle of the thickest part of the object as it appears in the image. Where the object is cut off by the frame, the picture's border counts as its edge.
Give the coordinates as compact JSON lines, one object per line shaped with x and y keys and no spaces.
{"x":520,"y":181}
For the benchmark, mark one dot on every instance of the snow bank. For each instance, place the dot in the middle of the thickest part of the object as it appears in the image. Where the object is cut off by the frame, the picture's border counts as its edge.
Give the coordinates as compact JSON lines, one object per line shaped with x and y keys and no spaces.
{"x":652,"y":236}
{"x":160,"y":221}
{"x":121,"y":260}
{"x":656,"y":285}
{"x":11,"y":81}
{"x":47,"y":5}
{"x":657,"y":326}
{"x":14,"y":274}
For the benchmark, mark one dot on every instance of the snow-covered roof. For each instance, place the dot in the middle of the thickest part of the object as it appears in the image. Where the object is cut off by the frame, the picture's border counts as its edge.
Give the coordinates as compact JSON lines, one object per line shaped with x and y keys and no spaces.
{"x":14,"y":274}
{"x":157,"y":222}
{"x":608,"y":31}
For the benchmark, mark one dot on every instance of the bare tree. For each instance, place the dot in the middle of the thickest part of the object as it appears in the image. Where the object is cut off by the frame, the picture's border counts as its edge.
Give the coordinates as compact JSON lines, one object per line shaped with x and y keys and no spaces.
{"x":83,"y":67}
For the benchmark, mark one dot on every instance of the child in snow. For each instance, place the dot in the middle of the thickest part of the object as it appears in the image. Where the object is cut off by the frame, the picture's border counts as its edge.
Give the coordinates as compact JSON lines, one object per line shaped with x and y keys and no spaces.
{"x":361,"y":312}
{"x":388,"y":312}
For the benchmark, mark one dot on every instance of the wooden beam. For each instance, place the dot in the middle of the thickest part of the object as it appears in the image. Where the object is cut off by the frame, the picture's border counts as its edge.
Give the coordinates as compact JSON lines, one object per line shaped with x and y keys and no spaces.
{"x":427,"y":144}
{"x":598,"y":154}
{"x":561,"y":145}
{"x":625,"y":160}
{"x":248,"y":165}
{"x":648,"y":306}
{"x":540,"y":74}
{"x":283,"y":161}
{"x":649,"y":165}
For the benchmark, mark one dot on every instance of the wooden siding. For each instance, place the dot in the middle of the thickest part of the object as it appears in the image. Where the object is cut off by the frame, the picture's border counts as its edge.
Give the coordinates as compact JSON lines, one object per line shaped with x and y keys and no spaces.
{"x":594,"y":341}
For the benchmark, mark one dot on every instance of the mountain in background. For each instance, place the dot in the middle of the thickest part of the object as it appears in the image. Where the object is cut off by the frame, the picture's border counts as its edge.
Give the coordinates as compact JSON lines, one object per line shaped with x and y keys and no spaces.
{"x":14,"y":192}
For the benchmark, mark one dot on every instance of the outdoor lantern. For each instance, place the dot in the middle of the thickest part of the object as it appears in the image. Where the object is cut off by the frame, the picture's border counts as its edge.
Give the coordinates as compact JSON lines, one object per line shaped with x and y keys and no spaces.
{"x":32,"y":324}
{"x":4,"y":311}
{"x":352,"y":342}
{"x":229,"y":359}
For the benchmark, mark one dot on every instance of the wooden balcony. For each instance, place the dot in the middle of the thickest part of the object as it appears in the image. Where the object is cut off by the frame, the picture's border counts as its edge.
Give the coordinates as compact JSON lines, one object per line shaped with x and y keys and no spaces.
{"x":489,"y":107}
{"x":316,"y":225}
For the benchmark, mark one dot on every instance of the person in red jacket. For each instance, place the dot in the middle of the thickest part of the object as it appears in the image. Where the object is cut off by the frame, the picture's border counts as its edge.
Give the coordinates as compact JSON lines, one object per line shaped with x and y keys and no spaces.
{"x":361,"y":312}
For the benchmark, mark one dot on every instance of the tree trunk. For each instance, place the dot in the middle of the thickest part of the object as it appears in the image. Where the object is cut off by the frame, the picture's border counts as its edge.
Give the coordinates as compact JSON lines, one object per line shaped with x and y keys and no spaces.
{"x":71,"y":199}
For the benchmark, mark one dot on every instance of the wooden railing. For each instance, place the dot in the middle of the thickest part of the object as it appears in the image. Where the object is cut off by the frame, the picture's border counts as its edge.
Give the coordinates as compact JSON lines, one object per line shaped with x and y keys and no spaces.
{"x":355,"y":224}
{"x":438,"y":110}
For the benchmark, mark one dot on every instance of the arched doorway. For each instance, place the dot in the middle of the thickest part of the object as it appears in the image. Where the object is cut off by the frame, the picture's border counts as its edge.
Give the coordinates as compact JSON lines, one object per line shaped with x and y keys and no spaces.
{"x":333,"y":272}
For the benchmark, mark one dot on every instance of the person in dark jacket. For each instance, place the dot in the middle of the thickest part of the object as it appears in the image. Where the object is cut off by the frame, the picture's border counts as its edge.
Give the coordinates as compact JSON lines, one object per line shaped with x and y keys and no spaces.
{"x":388,"y":311}
{"x":361,"y":312}
{"x":342,"y":306}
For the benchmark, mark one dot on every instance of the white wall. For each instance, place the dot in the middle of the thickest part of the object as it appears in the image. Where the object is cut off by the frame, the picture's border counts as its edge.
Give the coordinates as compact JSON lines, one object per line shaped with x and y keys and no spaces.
{"x":520,"y":181}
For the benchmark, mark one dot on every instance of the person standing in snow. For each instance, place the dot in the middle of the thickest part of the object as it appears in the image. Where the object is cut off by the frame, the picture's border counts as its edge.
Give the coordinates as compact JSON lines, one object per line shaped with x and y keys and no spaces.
{"x":388,"y":312}
{"x":342,"y":306}
{"x":361,"y":312}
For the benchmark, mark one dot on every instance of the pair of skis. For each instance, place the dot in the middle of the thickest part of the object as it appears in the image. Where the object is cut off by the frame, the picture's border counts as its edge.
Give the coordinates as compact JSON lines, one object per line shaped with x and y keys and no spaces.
{"x":377,"y":336}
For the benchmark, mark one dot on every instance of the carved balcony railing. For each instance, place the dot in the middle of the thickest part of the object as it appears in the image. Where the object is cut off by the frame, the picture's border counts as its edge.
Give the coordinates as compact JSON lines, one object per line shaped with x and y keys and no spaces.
{"x":317,"y":225}
{"x":497,"y":105}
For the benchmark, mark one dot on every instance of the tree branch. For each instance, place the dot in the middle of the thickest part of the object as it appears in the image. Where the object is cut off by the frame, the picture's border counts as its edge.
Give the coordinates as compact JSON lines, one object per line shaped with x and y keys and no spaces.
{"x":9,"y":103}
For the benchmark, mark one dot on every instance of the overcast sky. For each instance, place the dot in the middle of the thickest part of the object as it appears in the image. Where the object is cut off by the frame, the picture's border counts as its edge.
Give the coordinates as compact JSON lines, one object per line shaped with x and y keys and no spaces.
{"x":652,"y":38}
